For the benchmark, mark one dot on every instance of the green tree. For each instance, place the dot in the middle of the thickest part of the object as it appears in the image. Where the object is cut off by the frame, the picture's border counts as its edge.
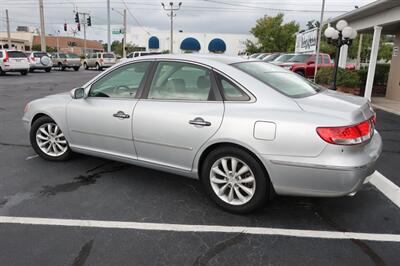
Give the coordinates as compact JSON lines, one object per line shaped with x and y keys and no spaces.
{"x":273,"y":35}
{"x":116,"y":47}
{"x":38,"y":47}
{"x":385,"y":48}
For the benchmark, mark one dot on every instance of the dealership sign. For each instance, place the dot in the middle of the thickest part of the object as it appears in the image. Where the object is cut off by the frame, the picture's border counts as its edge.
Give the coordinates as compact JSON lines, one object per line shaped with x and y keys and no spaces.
{"x":306,"y":41}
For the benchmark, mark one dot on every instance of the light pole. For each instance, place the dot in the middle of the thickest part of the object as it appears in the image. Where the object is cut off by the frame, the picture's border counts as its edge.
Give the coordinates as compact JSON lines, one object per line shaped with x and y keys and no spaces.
{"x":172,"y":15}
{"x":124,"y":38}
{"x":342,"y":35}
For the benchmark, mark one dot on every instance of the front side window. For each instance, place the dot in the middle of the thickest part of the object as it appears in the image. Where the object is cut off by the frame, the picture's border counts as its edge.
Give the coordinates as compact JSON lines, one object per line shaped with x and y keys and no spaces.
{"x":181,"y":81}
{"x":300,"y":58}
{"x":286,"y":82}
{"x":123,"y":82}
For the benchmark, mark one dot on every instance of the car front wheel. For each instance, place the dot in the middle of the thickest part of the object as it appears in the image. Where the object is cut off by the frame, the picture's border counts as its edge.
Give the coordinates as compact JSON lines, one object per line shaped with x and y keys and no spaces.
{"x":235,"y":180}
{"x":48,"y":140}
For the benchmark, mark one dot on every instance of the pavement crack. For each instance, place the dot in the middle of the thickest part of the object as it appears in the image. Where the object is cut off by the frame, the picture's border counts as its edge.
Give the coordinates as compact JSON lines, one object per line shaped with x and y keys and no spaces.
{"x":82,"y":180}
{"x":218,"y":248}
{"x":378,"y":260}
{"x":14,"y":144}
{"x":84,"y":253}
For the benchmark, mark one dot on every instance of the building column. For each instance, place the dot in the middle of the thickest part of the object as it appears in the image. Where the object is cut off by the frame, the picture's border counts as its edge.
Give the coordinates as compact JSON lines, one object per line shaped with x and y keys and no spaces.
{"x":372,"y":62}
{"x":343,"y":56}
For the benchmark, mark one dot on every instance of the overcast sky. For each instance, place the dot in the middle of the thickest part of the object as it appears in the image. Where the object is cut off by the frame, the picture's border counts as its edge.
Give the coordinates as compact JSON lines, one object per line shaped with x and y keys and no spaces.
{"x":221,"y":16}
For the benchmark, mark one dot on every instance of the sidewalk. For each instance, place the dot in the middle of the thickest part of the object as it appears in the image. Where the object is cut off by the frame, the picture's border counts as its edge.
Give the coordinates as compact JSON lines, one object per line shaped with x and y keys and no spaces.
{"x":387,"y":105}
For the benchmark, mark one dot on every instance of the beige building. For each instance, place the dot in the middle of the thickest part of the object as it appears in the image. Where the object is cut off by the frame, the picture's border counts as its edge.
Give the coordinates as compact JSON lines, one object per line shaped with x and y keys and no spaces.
{"x":379,"y":17}
{"x":20,"y":40}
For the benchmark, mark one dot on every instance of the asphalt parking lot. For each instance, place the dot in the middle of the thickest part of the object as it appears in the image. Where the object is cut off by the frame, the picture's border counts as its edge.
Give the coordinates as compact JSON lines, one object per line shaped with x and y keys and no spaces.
{"x":89,"y":189}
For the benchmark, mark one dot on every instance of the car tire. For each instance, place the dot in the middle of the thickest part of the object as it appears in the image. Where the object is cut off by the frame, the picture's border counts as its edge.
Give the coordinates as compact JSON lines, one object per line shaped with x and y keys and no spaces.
{"x":300,"y":72}
{"x":98,"y":67}
{"x":24,"y":72}
{"x":2,"y":73}
{"x":248,"y":195}
{"x":31,"y":70}
{"x":48,"y":69}
{"x":76,"y":68}
{"x":45,"y":125}
{"x":85,"y":66}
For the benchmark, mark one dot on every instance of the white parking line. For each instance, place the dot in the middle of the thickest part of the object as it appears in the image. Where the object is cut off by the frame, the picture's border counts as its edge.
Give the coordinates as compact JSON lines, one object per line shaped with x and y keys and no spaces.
{"x":200,"y":228}
{"x":387,"y":187}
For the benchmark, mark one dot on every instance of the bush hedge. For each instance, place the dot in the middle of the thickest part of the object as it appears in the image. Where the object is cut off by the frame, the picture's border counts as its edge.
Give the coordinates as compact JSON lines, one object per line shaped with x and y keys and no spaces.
{"x":345,"y":78}
{"x":381,"y":74}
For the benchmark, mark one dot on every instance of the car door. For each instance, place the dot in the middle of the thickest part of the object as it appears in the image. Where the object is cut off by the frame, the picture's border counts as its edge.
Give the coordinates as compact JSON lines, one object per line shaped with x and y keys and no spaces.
{"x":102,"y":121}
{"x":179,"y":113}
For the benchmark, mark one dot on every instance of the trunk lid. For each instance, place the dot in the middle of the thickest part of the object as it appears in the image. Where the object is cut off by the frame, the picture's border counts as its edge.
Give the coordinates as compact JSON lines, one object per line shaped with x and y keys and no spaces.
{"x":331,"y":103}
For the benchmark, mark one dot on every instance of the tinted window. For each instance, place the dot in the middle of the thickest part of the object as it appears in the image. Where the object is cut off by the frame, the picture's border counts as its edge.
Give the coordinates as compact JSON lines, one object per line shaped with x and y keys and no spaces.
{"x":327,"y":59}
{"x":39,"y":55}
{"x":180,"y":81}
{"x":299,"y":58}
{"x":108,"y":56}
{"x":123,"y":82}
{"x":283,"y":58}
{"x":63,"y":56}
{"x":230,"y":91}
{"x":16,"y":54}
{"x":285,"y":82}
{"x":72,"y":56}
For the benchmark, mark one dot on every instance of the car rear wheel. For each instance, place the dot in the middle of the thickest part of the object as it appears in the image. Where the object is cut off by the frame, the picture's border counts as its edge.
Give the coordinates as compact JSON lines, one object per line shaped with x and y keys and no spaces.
{"x":76,"y":68}
{"x":98,"y":67}
{"x":24,"y":72}
{"x":31,"y":70}
{"x":48,"y":69}
{"x":85,"y":66}
{"x":235,"y":180}
{"x":48,"y":140}
{"x":2,"y":73}
{"x":300,"y":72}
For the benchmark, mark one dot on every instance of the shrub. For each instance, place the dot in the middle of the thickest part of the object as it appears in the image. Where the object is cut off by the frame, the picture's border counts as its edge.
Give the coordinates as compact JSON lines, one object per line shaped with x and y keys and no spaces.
{"x":381,"y":74}
{"x":345,"y":78}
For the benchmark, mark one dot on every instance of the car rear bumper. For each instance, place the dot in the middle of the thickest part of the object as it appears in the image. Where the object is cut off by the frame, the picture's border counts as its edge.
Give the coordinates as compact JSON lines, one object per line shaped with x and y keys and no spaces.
{"x":337,"y":171}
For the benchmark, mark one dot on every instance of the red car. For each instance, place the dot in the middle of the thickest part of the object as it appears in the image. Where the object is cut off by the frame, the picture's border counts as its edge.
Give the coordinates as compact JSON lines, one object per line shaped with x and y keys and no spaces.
{"x":304,"y":64}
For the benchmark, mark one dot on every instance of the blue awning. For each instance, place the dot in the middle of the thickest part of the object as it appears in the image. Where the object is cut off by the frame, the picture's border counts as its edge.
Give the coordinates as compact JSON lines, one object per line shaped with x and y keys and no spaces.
{"x":190,"y":44}
{"x":154,"y":42}
{"x":217,"y":45}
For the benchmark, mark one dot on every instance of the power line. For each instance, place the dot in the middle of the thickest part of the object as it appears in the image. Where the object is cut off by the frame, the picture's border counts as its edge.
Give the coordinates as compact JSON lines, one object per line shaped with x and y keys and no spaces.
{"x":133,"y":16}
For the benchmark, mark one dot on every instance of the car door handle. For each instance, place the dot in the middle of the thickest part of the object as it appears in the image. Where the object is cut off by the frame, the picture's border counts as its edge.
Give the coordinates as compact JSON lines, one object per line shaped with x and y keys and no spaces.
{"x":198,"y":121}
{"x":121,"y":115}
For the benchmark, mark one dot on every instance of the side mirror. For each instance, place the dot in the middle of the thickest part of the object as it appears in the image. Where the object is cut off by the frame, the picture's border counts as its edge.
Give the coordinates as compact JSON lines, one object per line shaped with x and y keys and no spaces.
{"x":310,"y":62}
{"x":77,"y":93}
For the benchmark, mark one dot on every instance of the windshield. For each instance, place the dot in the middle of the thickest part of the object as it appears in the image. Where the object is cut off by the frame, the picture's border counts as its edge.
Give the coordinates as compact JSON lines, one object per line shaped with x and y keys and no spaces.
{"x":284,"y":58}
{"x":286,"y":82}
{"x":108,"y":55}
{"x":72,"y":56}
{"x":299,"y":58}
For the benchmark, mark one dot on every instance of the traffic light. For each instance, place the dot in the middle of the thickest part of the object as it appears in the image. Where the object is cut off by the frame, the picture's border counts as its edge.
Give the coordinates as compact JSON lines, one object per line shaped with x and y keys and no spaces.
{"x":89,"y":21}
{"x":78,"y":26}
{"x":77,"y":17}
{"x":65,"y":26}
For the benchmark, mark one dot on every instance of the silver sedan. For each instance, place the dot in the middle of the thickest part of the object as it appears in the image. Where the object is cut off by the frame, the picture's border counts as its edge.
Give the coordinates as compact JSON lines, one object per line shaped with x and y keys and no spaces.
{"x":247,"y":129}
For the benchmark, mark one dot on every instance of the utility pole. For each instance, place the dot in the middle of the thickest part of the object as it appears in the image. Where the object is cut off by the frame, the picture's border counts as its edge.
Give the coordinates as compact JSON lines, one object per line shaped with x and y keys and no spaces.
{"x":321,"y":22}
{"x":108,"y":27}
{"x":124,"y":42}
{"x":42,"y":31}
{"x":8,"y":30}
{"x":171,"y":9}
{"x":84,"y":33}
{"x":84,"y":22}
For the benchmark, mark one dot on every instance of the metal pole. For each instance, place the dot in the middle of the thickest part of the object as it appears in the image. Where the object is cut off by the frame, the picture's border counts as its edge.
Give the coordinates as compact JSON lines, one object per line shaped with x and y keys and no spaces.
{"x":58,"y":45}
{"x":84,"y":34}
{"x":359,"y":52}
{"x":42,"y":31}
{"x":124,"y":42}
{"x":108,"y":27}
{"x":8,"y":30}
{"x":319,"y":37}
{"x":172,"y":29}
{"x":335,"y":70}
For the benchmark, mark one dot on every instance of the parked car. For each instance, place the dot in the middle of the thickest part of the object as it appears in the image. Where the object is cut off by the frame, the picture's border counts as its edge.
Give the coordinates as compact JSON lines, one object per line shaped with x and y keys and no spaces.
{"x":254,"y":55}
{"x":304,"y":64}
{"x":283,"y":58}
{"x":40,"y":60}
{"x":262,"y":55}
{"x":141,"y":53}
{"x":245,"y":128}
{"x":13,"y":61}
{"x":66,"y":60}
{"x":100,"y":60}
{"x":271,"y":57}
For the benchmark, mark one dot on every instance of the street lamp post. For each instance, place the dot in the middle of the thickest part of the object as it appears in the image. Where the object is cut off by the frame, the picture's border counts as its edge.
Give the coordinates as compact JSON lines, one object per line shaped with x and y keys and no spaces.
{"x":342,"y":35}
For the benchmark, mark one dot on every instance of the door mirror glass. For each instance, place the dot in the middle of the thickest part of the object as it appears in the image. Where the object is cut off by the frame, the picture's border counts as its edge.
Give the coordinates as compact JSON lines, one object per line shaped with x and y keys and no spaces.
{"x":78,"y":93}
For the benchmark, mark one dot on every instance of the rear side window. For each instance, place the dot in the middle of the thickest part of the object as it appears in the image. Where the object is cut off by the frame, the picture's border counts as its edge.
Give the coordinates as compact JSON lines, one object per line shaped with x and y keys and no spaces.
{"x":326,"y":59}
{"x":230,"y":91}
{"x":16,"y":54}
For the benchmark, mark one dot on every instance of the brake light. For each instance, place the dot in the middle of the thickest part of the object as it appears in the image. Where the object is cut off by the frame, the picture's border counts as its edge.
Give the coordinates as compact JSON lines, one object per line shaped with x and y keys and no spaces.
{"x":32,"y":59}
{"x":5,"y":60}
{"x":347,"y":135}
{"x":373,"y":119}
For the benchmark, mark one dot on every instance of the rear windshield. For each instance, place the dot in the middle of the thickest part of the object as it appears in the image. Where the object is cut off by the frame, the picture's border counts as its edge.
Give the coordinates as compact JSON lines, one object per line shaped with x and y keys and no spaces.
{"x":16,"y":54}
{"x":301,"y":58}
{"x":72,"y":56}
{"x":286,"y":82}
{"x":62,"y":55}
{"x":108,"y":56}
{"x":39,"y":55}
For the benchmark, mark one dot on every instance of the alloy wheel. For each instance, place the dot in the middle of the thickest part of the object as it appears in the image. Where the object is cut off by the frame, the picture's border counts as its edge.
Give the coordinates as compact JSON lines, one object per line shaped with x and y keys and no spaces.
{"x":51,"y":140}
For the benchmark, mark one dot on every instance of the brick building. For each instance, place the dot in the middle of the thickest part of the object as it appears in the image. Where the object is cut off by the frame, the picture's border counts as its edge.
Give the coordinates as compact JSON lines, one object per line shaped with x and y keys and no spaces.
{"x":70,"y":44}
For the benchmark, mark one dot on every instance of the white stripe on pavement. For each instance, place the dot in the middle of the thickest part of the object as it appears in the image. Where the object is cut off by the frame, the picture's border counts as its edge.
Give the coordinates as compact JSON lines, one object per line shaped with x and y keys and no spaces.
{"x":200,"y":228}
{"x":387,"y":187}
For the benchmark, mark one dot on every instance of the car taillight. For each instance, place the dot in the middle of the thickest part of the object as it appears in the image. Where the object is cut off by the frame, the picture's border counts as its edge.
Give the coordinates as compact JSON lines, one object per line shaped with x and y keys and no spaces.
{"x":373,"y":119}
{"x":32,"y":59}
{"x":347,"y":135}
{"x":5,"y":60}
{"x":65,"y":60}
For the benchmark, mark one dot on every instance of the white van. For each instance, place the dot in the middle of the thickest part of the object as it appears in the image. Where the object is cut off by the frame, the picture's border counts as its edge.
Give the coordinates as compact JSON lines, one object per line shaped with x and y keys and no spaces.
{"x":13,"y":61}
